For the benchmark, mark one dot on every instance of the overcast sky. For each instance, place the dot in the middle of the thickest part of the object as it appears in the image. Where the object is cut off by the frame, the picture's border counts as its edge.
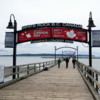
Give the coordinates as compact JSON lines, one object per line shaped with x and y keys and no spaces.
{"x":42,"y":11}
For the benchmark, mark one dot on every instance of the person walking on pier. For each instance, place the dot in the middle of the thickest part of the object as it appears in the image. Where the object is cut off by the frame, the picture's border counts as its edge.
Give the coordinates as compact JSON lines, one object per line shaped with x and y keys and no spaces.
{"x":59,"y":61}
{"x":73,"y":61}
{"x":67,"y":61}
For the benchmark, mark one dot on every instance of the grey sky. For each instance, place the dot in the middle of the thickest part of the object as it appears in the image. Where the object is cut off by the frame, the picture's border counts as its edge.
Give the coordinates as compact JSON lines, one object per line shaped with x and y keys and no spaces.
{"x":39,"y":11}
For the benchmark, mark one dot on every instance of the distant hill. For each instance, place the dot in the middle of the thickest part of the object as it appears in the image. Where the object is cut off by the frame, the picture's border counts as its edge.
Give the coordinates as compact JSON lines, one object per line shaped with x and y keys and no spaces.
{"x":40,"y":55}
{"x":80,"y":55}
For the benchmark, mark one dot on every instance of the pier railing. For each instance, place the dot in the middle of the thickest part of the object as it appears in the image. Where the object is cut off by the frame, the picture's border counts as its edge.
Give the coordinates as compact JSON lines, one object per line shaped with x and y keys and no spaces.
{"x":91,"y":75}
{"x":24,"y":71}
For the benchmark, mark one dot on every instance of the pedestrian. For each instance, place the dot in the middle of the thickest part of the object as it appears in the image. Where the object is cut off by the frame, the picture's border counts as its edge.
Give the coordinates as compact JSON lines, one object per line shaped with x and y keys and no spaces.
{"x":73,"y":61}
{"x":59,"y":61}
{"x":67,"y":61}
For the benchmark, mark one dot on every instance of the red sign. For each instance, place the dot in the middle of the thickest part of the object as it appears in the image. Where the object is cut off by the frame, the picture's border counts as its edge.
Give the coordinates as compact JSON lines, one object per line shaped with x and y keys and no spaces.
{"x":33,"y":34}
{"x":57,"y":33}
{"x":67,"y":33}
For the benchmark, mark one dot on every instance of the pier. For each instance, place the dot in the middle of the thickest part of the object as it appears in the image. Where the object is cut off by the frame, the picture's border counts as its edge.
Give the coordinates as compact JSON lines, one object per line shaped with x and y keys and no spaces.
{"x":52,"y":83}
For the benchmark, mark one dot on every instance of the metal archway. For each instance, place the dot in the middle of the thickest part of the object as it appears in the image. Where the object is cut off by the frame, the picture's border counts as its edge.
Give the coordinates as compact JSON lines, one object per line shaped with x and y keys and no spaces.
{"x":73,"y":53}
{"x":66,"y":47}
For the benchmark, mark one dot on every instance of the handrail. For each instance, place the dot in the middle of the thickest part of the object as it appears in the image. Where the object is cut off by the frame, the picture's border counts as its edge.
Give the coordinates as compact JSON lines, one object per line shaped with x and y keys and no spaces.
{"x":25,"y":70}
{"x":28,"y":67}
{"x":91,"y":75}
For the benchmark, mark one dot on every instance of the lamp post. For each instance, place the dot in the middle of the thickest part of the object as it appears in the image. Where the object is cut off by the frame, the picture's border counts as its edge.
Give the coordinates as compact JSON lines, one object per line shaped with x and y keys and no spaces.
{"x":11,"y":26}
{"x":55,"y":54}
{"x":77,"y":52}
{"x":73,"y":54}
{"x":90,"y":24}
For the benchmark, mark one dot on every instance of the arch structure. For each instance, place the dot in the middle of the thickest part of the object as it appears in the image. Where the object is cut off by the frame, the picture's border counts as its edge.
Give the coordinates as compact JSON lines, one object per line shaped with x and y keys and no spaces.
{"x":66,"y":47}
{"x":52,"y":32}
{"x":68,"y":53}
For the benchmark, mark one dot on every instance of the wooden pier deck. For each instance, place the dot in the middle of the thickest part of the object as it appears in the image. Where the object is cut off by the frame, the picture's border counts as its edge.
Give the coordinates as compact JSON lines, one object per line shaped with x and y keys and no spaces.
{"x":54,"y":84}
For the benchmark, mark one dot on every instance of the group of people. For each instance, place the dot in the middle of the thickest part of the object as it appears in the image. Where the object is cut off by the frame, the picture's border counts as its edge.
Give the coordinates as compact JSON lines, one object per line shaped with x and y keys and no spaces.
{"x":67,"y":61}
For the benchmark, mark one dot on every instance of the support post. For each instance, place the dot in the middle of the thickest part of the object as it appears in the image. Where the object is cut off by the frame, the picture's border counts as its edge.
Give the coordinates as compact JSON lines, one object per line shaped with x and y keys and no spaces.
{"x":90,"y":48}
{"x":55,"y":54}
{"x":77,"y":52}
{"x":11,"y":26}
{"x":90,"y":24}
{"x":62,"y":54}
{"x":14,"y":49}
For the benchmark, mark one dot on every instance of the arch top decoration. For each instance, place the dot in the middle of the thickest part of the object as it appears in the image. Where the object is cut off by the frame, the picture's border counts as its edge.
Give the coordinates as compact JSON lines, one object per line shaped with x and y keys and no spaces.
{"x":66,"y":47}
{"x":52,"y":32}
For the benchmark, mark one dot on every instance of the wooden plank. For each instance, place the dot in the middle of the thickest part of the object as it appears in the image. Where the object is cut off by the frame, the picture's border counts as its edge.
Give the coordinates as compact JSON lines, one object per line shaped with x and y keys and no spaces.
{"x":54,"y":84}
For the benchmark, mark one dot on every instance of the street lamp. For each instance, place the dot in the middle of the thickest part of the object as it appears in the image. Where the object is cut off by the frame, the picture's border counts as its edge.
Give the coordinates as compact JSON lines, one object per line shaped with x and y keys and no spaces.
{"x":90,"y":24}
{"x":11,"y":26}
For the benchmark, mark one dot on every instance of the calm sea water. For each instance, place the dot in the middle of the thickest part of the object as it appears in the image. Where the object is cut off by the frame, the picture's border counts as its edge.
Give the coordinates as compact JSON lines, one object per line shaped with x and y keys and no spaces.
{"x":95,"y":63}
{"x":7,"y":61}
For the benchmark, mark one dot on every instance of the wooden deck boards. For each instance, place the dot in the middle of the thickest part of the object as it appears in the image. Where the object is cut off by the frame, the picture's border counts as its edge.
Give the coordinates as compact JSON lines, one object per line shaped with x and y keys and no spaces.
{"x":55,"y":84}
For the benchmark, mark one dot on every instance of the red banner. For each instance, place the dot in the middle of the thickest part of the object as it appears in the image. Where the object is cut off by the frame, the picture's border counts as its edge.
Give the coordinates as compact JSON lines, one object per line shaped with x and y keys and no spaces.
{"x":33,"y":34}
{"x":57,"y":33}
{"x":67,"y":33}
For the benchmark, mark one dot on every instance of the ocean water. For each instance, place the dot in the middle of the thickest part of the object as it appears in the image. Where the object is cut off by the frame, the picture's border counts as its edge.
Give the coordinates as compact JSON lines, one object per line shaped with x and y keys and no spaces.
{"x":95,"y":63}
{"x":7,"y":61}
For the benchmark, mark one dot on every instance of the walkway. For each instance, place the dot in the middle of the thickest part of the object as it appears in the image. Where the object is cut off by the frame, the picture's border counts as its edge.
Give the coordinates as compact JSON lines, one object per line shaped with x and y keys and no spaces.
{"x":55,"y":84}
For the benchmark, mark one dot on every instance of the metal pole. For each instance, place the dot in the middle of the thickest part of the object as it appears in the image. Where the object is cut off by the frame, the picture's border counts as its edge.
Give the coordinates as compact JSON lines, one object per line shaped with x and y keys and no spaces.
{"x":14,"y":49}
{"x":91,"y":24}
{"x":62,"y":54}
{"x":90,"y":48}
{"x":77,"y":52}
{"x":74,"y":54}
{"x":55,"y":54}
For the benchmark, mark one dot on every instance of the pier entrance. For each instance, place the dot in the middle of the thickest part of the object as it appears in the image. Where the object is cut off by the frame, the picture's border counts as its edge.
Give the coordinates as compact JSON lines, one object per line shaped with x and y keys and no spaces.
{"x":52,"y":32}
{"x":52,"y":84}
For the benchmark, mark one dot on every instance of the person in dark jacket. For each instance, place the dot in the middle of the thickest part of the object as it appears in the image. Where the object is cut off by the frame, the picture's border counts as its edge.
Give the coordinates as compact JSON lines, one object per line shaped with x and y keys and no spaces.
{"x":59,"y":61}
{"x":67,"y":61}
{"x":73,"y":61}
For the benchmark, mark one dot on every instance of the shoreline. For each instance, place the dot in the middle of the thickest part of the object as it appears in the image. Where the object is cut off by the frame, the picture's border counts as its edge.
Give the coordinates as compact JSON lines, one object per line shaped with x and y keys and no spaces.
{"x":78,"y":57}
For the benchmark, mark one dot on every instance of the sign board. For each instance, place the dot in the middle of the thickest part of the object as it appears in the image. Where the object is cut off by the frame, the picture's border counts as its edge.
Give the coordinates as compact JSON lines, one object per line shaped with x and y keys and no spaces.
{"x":49,"y":25}
{"x":52,"y":34}
{"x":96,"y":38}
{"x":51,"y":40}
{"x":1,"y":74}
{"x":69,"y":33}
{"x":9,"y":40}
